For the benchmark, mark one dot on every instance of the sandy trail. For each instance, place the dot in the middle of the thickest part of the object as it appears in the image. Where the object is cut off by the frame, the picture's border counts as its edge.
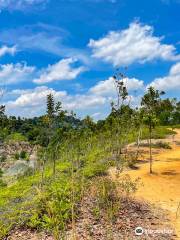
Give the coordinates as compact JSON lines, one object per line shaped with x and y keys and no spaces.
{"x":162,"y":188}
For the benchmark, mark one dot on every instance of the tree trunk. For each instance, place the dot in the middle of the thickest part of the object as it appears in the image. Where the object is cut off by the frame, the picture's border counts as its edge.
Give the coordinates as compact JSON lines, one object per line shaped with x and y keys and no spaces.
{"x":138,"y":142}
{"x":150,"y":148}
{"x":54,"y":166}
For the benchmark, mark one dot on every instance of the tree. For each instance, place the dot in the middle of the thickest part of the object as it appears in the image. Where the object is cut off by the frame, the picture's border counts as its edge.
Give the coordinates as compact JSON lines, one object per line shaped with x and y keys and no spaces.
{"x":89,"y":123}
{"x":120,"y":118}
{"x":2,"y":112}
{"x":50,"y":106}
{"x":175,"y":117}
{"x":55,"y":114}
{"x":150,"y":103}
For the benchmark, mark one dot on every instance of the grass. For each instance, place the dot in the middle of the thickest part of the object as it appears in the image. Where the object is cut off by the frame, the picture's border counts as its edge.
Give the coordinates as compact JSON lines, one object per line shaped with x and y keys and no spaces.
{"x":159,"y":132}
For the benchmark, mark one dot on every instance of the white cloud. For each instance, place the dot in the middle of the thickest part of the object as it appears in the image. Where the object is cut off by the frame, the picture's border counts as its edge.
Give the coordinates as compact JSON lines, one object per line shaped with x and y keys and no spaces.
{"x":32,"y":102}
{"x":83,"y":101}
{"x":134,"y":44}
{"x":7,"y":50}
{"x":170,"y":82}
{"x":107,"y":87}
{"x":175,"y":69}
{"x":14,"y":73}
{"x":59,"y":71}
{"x":20,"y":72}
{"x":33,"y":97}
{"x":19,"y":4}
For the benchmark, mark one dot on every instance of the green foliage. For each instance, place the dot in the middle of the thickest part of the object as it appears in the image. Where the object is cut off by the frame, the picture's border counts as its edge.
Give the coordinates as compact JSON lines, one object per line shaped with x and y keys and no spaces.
{"x":4,"y":132}
{"x":107,"y":199}
{"x":95,"y":169}
{"x":3,"y":158}
{"x":129,"y":186}
{"x":23,"y":155}
{"x":15,"y":137}
{"x":16,"y":156}
{"x":2,"y":183}
{"x":160,"y":144}
{"x":1,"y":172}
{"x":50,"y":105}
{"x":131,"y":160}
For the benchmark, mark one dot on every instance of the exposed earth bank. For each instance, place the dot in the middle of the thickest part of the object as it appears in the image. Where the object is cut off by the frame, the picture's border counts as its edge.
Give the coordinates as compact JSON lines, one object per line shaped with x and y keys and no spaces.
{"x":162,"y":188}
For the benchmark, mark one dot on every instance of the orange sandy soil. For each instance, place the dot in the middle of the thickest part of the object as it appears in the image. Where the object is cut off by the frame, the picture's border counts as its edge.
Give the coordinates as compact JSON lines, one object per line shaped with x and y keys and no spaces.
{"x":161,"y":188}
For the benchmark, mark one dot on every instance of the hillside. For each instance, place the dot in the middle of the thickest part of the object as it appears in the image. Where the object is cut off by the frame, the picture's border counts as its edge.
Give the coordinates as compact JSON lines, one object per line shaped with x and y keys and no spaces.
{"x":55,"y":180}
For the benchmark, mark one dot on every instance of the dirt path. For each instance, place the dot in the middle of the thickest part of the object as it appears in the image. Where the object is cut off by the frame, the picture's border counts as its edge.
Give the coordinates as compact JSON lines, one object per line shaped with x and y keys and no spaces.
{"x":163,"y":187}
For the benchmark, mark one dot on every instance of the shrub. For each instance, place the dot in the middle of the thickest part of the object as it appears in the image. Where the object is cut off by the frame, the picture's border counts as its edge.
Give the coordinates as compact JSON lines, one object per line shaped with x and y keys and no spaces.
{"x":1,"y":172}
{"x":107,"y":199}
{"x":23,"y":154}
{"x":159,"y":144}
{"x":128,"y":186}
{"x":16,"y":156}
{"x":95,"y":169}
{"x":15,"y":137}
{"x":164,"y":145}
{"x":131,"y":160}
{"x":3,"y":158}
{"x":2,"y":184}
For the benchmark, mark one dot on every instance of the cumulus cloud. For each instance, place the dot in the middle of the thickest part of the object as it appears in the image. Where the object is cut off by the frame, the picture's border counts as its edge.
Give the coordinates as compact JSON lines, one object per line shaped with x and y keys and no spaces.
{"x":107,"y":87}
{"x":134,"y":44}
{"x":21,"y":72}
{"x":15,"y":73}
{"x":83,"y":101}
{"x":7,"y":50}
{"x":170,"y":82}
{"x":33,"y":97}
{"x":32,"y":102}
{"x":59,"y":71}
{"x":19,"y":4}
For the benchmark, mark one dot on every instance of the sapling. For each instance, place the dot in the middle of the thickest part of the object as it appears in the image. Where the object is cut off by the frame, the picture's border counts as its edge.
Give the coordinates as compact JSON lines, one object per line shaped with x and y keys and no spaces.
{"x":150,"y":103}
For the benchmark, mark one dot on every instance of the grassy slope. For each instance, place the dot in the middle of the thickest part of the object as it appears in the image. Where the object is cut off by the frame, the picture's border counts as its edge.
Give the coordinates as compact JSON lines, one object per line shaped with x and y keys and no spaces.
{"x":27,"y":203}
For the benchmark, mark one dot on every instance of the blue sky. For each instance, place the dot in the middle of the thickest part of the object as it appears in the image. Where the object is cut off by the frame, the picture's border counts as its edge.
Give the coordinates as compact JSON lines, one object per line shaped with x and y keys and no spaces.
{"x":71,"y":48}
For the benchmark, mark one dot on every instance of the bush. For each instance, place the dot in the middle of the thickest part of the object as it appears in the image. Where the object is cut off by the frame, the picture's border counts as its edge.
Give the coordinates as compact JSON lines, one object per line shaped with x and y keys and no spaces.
{"x":131,"y":160}
{"x":160,"y":144}
{"x":16,"y":156}
{"x":1,"y":172}
{"x":95,"y":169}
{"x":164,"y":145}
{"x":107,"y":199}
{"x":2,"y":184}
{"x":3,"y":158}
{"x":128,"y":186}
{"x":23,"y":155}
